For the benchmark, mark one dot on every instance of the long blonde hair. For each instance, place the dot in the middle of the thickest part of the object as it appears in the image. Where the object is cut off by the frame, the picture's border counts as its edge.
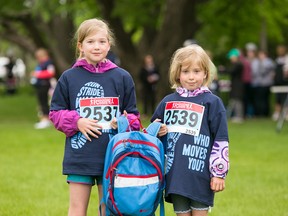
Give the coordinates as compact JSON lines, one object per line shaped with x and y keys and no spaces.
{"x":192,"y":54}
{"x":89,"y":26}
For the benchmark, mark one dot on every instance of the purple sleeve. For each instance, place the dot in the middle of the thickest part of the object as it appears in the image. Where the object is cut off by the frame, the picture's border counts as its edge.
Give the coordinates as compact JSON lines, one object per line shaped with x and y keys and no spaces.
{"x":219,"y":159}
{"x":134,"y":121}
{"x":65,"y":121}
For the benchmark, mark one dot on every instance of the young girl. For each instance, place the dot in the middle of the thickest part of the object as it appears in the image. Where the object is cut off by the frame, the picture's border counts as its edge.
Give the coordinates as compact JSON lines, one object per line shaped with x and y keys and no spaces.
{"x":197,"y":139}
{"x":87,"y":97}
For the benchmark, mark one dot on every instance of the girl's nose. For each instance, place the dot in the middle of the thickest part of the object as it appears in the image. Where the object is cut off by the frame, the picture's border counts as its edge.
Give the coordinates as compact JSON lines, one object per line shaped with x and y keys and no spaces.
{"x":96,"y":45}
{"x":191,"y":76}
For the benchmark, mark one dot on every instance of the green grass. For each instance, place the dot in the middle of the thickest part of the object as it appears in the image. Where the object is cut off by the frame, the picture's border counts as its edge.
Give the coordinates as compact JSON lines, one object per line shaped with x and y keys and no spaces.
{"x":31,"y":181}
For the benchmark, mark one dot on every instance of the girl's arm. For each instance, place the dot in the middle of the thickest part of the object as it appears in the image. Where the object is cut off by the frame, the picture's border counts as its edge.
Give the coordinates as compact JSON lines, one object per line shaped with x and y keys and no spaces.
{"x":219,"y":159}
{"x":134,"y":121}
{"x":46,"y":74}
{"x":219,"y":165}
{"x":129,"y":103}
{"x":65,"y":121}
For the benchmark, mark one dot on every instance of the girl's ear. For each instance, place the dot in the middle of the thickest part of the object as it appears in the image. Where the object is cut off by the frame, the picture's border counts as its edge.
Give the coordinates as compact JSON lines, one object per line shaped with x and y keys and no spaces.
{"x":79,"y":45}
{"x":205,"y":75}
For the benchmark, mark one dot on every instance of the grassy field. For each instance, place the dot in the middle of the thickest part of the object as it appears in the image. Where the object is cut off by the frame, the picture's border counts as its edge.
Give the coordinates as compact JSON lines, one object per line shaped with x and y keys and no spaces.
{"x":31,"y":183}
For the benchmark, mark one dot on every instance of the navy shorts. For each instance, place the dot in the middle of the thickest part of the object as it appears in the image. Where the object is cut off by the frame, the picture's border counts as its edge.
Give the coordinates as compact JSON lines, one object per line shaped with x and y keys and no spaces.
{"x":183,"y":204}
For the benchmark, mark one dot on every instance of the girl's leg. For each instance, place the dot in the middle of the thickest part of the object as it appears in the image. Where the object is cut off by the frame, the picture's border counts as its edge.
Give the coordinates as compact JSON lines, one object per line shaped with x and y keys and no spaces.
{"x":100,"y":196}
{"x":199,"y":209}
{"x":79,"y":199}
{"x":199,"y":212}
{"x":181,"y":205}
{"x":184,"y":214}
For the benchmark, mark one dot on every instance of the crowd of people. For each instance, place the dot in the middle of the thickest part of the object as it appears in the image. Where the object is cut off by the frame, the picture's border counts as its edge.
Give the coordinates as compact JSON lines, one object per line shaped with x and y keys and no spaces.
{"x":252,"y":74}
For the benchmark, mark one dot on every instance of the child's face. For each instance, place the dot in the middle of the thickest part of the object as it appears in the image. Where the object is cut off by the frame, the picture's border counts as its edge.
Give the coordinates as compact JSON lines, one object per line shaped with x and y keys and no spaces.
{"x":192,"y":76}
{"x":95,"y":47}
{"x":41,"y":56}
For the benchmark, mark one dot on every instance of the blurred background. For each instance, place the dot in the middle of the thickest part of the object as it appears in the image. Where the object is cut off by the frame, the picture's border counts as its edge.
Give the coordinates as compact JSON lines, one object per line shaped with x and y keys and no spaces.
{"x":156,"y":27}
{"x":30,"y":161}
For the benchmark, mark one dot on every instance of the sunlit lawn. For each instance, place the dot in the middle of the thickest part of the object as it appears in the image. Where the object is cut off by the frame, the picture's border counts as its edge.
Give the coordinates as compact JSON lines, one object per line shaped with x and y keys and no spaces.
{"x":31,"y":182}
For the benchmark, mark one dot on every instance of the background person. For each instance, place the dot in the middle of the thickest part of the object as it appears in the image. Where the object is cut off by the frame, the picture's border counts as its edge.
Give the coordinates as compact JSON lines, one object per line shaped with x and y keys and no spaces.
{"x":149,"y":77}
{"x":10,"y":80}
{"x":40,"y":79}
{"x":235,"y":108}
{"x":280,"y":79}
{"x":262,"y":80}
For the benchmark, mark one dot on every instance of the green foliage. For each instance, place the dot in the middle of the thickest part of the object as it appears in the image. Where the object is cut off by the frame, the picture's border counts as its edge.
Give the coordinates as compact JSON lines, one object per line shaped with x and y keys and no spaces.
{"x":11,"y":6}
{"x":82,"y":10}
{"x":275,"y":18}
{"x":229,"y":24}
{"x":223,"y":24}
{"x":139,"y":13}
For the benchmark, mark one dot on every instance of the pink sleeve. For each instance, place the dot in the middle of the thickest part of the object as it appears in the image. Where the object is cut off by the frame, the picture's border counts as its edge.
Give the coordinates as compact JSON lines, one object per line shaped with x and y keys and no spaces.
{"x":65,"y":121}
{"x":134,"y":121}
{"x":219,"y":159}
{"x":45,"y":74}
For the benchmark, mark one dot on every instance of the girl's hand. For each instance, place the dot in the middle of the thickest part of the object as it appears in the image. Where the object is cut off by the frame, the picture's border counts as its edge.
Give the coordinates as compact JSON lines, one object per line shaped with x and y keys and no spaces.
{"x":89,"y":127}
{"x":114,"y":124}
{"x":163,"y":129}
{"x":217,"y":184}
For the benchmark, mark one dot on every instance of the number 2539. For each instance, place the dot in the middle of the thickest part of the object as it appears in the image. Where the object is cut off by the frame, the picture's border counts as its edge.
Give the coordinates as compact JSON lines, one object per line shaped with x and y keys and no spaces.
{"x":181,"y":117}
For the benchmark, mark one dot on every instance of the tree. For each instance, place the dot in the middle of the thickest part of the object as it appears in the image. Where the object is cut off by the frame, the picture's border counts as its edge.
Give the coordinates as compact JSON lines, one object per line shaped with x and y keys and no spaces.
{"x":141,"y":27}
{"x":164,"y":26}
{"x":30,"y":25}
{"x":157,"y":27}
{"x":226,"y":25}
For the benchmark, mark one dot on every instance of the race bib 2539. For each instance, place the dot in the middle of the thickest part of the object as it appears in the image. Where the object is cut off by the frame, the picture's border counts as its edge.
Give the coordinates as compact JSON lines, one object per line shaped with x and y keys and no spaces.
{"x":184,"y":117}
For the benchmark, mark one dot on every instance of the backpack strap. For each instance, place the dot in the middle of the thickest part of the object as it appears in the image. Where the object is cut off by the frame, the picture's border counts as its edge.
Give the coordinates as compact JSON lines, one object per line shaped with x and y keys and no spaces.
{"x":153,"y":128}
{"x":123,"y":124}
{"x":162,"y":207}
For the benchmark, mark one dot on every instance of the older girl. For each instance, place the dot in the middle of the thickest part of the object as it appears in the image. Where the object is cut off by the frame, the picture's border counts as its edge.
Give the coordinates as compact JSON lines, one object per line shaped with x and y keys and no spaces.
{"x":86,"y":99}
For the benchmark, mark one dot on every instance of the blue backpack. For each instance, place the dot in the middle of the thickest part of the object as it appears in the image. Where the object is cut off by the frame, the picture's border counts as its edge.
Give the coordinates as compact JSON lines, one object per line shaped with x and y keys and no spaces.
{"x":133,"y":178}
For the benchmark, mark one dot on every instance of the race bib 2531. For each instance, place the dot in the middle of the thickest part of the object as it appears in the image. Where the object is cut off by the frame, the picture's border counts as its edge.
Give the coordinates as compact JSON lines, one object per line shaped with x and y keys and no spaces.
{"x":103,"y":109}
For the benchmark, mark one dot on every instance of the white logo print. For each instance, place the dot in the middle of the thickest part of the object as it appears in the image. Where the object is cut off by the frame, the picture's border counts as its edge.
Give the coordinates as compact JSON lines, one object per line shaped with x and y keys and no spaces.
{"x":89,"y":90}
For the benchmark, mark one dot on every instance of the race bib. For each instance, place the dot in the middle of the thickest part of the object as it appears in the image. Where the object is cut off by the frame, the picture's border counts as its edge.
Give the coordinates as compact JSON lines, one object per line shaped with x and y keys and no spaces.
{"x":103,"y":109}
{"x":184,"y":117}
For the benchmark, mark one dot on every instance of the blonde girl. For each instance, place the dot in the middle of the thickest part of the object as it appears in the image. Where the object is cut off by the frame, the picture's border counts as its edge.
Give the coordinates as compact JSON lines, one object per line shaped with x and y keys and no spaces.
{"x":197,"y":139}
{"x":87,"y":98}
